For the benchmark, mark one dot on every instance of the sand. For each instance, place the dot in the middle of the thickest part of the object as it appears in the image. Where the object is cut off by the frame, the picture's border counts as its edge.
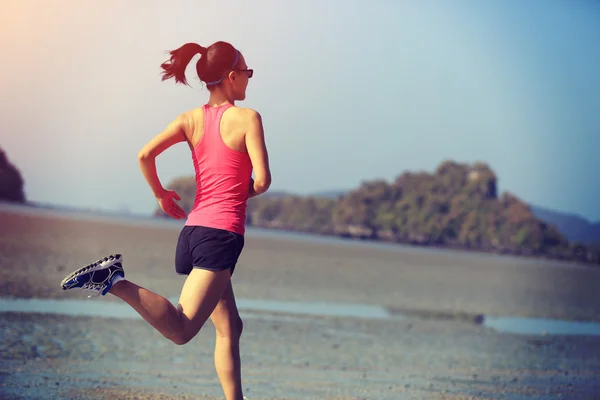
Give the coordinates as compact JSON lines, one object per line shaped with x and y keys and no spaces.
{"x":428,"y":355}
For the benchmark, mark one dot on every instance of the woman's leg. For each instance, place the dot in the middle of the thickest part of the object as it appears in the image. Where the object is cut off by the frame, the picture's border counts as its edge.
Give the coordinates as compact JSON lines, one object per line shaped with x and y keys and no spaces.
{"x":201,"y":292}
{"x":228,"y":326}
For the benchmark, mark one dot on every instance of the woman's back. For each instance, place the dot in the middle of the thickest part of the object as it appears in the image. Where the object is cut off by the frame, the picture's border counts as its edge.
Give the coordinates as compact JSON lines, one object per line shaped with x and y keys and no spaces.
{"x":222,"y":165}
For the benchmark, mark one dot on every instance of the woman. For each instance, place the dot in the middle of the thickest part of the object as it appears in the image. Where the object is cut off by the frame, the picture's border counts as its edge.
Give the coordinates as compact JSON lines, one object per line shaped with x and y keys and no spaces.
{"x":227,"y":144}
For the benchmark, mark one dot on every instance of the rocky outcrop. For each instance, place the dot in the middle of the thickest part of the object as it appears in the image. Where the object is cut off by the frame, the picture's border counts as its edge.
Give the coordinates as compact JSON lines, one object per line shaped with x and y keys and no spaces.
{"x":11,"y":181}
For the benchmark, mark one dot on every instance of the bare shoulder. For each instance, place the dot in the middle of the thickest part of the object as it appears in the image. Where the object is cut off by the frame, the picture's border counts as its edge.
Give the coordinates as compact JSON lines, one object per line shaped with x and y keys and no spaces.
{"x":192,"y":115}
{"x":192,"y":118}
{"x":245,"y":115}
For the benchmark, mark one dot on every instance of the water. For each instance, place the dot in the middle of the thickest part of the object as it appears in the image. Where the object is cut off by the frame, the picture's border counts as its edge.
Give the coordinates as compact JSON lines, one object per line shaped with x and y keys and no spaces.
{"x":104,"y":309}
{"x":248,"y":308}
{"x":316,"y":308}
{"x":541,"y":326}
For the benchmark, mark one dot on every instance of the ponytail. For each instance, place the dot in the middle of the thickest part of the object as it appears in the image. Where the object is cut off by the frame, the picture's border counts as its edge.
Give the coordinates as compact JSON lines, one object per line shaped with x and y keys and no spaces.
{"x":180,"y":58}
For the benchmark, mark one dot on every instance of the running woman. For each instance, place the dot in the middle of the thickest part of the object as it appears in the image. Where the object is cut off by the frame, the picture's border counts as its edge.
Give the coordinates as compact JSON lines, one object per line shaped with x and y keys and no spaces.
{"x":227,"y":144}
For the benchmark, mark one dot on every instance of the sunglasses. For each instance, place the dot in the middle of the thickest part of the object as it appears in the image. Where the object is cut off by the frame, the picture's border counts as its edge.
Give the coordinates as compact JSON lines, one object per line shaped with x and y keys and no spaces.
{"x":250,"y":72}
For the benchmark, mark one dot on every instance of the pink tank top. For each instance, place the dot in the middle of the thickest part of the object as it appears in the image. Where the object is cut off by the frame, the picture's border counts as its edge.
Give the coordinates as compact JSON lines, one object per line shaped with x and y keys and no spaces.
{"x":222,"y":178}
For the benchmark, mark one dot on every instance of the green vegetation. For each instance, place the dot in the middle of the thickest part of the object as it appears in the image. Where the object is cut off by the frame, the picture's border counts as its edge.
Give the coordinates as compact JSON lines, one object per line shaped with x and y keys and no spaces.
{"x":11,"y":182}
{"x":457,"y":206}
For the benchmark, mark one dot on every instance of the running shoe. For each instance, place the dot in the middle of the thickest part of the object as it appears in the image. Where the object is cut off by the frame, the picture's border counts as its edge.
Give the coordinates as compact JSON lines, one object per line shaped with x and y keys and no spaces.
{"x":98,"y":277}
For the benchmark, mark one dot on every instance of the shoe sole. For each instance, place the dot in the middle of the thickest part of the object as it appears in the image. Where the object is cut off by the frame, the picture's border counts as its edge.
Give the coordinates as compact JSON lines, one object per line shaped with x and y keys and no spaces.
{"x":98,"y":265}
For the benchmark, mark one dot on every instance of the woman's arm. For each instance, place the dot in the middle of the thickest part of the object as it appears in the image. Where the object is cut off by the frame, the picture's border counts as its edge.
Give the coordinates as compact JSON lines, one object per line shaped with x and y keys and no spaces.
{"x":257,"y":150}
{"x":174,"y":133}
{"x":251,"y":191}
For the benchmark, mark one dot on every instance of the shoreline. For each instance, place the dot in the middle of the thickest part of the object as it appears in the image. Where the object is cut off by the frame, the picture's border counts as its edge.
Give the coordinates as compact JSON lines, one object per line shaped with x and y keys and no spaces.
{"x":430,"y":246}
{"x":283,"y":268}
{"x":151,"y":221}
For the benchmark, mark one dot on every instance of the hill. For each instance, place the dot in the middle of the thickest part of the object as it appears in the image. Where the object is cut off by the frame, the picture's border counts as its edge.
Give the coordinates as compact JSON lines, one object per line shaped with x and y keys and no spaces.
{"x":11,"y":181}
{"x":456,"y":206}
{"x":574,"y":227}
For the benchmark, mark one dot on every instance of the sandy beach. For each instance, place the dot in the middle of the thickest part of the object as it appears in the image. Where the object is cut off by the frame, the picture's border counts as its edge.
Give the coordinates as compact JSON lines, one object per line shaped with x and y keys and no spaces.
{"x":431,"y":348}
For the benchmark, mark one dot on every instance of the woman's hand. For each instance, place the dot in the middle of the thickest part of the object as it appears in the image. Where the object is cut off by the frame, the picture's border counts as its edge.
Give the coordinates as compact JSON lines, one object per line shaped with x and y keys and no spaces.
{"x":167,"y":202}
{"x":251,"y":191}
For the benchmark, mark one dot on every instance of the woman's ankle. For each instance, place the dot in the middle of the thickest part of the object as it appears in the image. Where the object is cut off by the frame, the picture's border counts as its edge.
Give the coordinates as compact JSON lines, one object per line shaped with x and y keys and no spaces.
{"x":117,"y":285}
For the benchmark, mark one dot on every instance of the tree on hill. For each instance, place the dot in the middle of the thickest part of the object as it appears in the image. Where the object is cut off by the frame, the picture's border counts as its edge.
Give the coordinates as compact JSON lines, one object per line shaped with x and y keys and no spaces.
{"x":11,"y":181}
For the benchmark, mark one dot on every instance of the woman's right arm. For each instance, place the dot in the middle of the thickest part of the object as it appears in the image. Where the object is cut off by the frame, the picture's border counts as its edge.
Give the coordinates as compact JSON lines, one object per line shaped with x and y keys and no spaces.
{"x":257,"y":150}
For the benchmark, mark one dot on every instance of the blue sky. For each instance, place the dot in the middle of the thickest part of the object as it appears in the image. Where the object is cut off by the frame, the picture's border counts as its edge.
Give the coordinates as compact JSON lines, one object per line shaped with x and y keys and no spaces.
{"x":348,"y":92}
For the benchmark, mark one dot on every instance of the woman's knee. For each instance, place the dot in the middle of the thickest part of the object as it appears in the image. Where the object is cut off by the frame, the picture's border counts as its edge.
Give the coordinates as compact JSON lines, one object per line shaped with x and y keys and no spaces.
{"x":181,"y":338}
{"x":184,"y":335}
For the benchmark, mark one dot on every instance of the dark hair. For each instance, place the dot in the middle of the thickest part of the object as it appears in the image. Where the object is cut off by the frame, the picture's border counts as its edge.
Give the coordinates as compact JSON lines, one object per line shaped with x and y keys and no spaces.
{"x":215,"y":62}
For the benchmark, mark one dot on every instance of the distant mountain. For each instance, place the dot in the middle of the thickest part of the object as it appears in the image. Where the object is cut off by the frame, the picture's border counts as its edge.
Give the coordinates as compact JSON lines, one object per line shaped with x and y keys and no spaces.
{"x":574,"y":227}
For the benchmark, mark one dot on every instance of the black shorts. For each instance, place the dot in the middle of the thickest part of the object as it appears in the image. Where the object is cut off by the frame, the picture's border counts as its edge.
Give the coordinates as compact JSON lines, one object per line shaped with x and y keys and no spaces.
{"x":207,"y":248}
